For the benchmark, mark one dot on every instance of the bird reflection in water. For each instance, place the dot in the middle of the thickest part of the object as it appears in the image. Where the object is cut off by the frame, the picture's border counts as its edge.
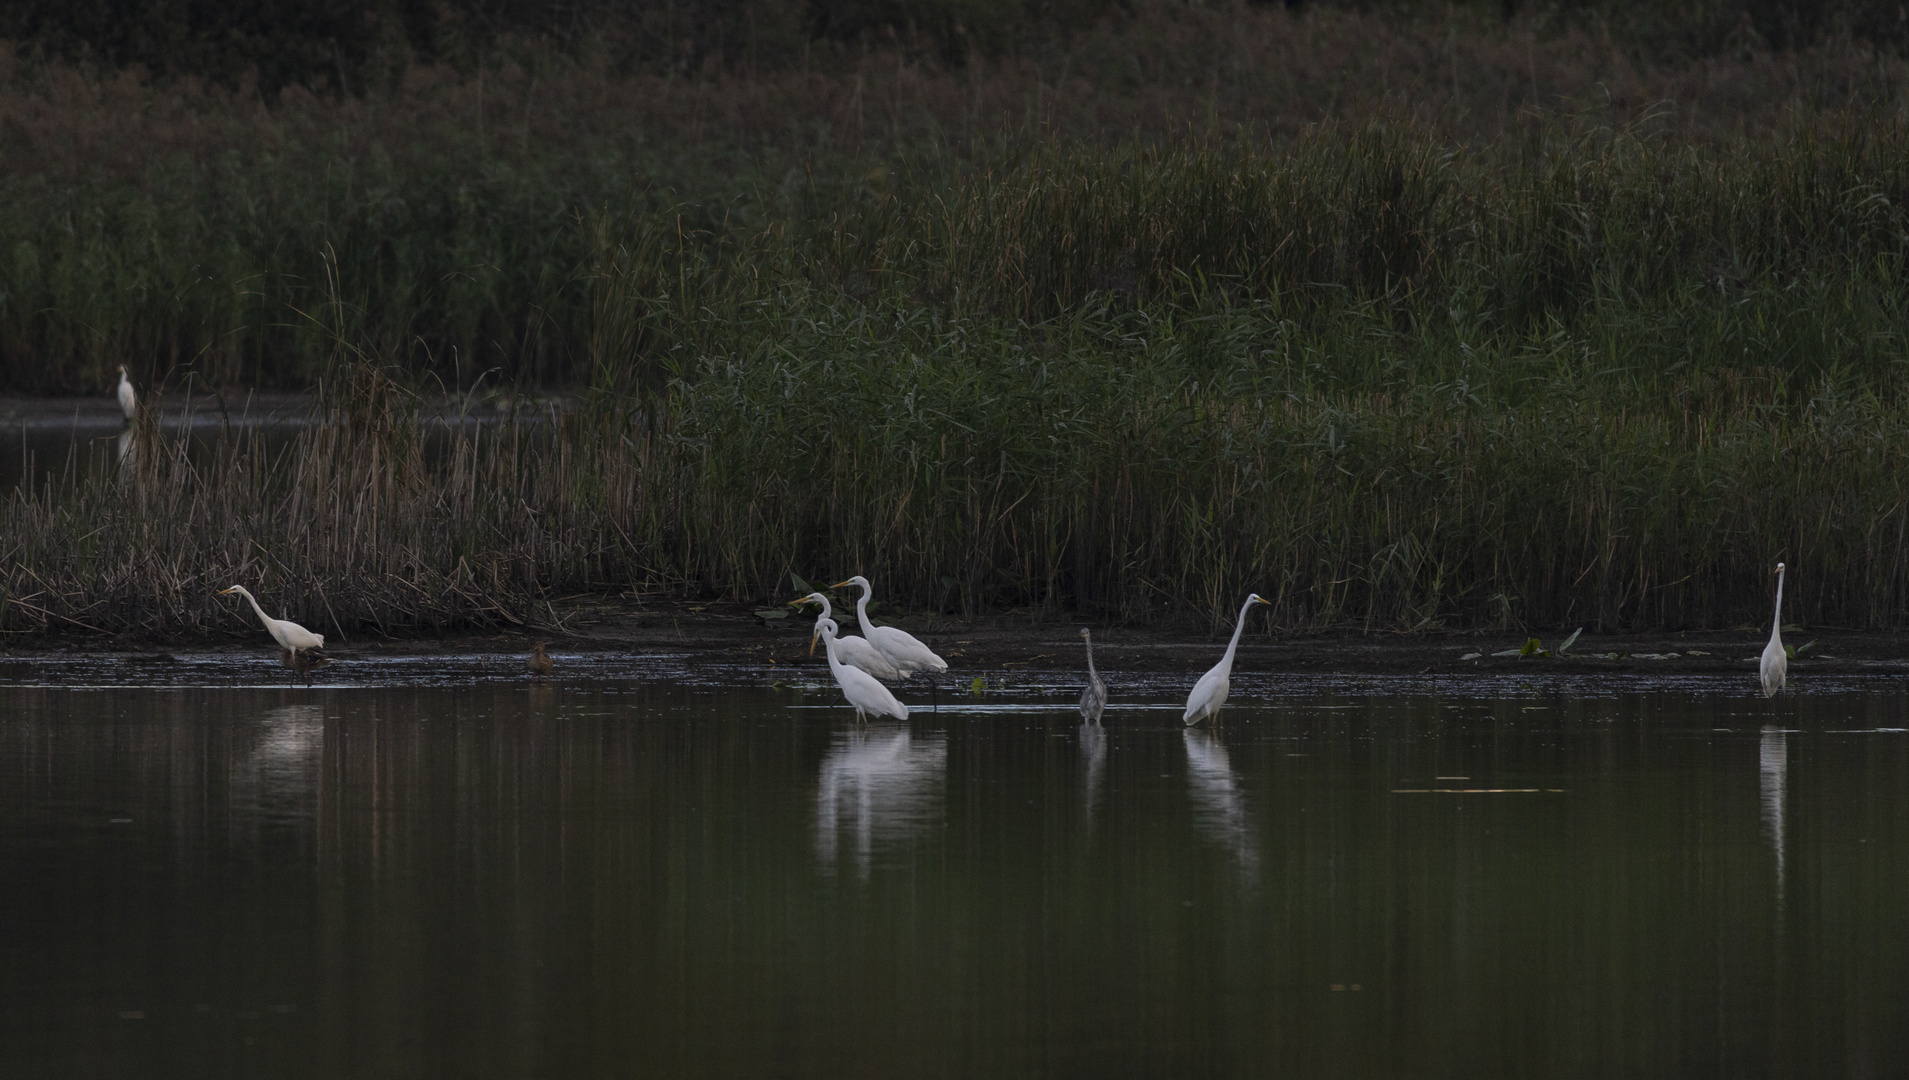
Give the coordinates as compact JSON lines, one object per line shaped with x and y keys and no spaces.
{"x":1773,"y":766}
{"x":275,"y":769}
{"x":1093,"y":757}
{"x":1219,"y":809}
{"x":884,"y":783}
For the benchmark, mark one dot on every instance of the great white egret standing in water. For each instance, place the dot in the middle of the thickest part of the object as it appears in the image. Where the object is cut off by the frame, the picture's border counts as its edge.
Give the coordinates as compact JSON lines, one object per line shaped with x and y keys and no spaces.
{"x":1093,"y":700}
{"x":855,"y":652}
{"x":901,"y":648}
{"x":128,"y":400}
{"x":289,"y":635}
{"x":1775,"y":663}
{"x":860,"y":688}
{"x":1210,"y":692}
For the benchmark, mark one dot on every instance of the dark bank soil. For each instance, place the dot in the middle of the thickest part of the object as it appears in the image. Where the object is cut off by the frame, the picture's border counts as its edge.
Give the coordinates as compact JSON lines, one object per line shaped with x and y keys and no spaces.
{"x":726,"y":634}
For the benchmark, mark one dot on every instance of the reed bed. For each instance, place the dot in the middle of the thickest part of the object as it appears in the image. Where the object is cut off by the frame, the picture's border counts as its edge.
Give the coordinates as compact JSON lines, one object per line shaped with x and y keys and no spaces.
{"x":1386,"y":379}
{"x":1115,"y":466}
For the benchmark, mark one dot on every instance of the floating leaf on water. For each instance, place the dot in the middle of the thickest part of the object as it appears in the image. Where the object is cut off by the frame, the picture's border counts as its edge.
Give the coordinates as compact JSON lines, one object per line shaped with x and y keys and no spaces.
{"x":1695,"y":652}
{"x":978,"y":685}
{"x":1471,"y":656}
{"x":773,"y":613}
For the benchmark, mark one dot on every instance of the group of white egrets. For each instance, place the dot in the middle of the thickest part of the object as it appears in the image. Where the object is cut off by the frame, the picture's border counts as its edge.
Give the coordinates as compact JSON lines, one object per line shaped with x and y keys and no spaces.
{"x":887,"y":654}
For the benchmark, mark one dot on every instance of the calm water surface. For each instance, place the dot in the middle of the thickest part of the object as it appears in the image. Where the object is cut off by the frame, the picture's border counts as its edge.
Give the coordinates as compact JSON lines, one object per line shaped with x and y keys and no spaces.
{"x":423,"y":871}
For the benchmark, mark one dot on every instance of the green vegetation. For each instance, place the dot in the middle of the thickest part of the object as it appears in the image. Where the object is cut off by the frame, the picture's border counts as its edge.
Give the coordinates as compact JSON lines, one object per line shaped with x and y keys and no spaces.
{"x":1594,"y":369}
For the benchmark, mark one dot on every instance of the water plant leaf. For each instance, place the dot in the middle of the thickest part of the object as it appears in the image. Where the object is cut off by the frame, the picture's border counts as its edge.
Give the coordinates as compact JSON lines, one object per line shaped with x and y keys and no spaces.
{"x":801,"y":586}
{"x":773,"y":613}
{"x":1532,"y":647}
{"x":1568,"y":642}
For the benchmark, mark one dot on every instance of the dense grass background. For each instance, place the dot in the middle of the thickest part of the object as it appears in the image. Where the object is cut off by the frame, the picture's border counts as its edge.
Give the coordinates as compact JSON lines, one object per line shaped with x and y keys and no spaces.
{"x":1448,"y":355}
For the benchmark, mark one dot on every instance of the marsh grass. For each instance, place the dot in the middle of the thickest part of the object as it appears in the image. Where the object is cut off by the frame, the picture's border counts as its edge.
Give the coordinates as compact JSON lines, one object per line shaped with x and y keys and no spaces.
{"x":1596,"y":377}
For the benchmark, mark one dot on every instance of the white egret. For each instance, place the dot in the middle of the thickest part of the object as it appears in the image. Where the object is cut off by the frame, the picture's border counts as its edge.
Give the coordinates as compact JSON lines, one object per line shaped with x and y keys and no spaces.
{"x":128,"y":400}
{"x":1775,"y":663}
{"x":289,"y":635}
{"x":539,"y":662}
{"x":855,"y":652}
{"x":1093,"y":699}
{"x":1210,"y":692}
{"x":860,"y":688}
{"x":900,"y":647}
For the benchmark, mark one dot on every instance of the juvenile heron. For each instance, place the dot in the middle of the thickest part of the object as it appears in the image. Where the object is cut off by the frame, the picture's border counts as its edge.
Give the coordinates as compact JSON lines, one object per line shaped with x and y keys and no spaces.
{"x":1093,"y":699}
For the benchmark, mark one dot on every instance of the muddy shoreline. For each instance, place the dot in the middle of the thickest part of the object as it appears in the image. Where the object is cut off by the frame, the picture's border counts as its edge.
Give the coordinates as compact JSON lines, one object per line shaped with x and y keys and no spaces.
{"x":725,"y":634}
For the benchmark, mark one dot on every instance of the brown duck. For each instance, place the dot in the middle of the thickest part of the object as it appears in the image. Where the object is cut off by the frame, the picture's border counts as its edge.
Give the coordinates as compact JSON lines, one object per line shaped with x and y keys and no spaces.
{"x":539,"y":661}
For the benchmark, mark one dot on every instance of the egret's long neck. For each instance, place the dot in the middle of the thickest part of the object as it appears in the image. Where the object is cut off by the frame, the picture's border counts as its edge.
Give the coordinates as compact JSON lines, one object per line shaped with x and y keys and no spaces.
{"x":264,"y":618}
{"x":1233,"y":645}
{"x":861,"y":609}
{"x":1776,"y":624}
{"x":1089,"y":638}
{"x":825,"y":606}
{"x":828,"y":646}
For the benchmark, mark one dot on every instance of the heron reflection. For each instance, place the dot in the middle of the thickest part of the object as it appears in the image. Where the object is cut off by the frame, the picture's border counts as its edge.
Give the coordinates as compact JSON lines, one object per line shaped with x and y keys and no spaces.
{"x":1773,"y":767}
{"x":1219,"y":809}
{"x":1093,"y":758}
{"x":884,"y":784}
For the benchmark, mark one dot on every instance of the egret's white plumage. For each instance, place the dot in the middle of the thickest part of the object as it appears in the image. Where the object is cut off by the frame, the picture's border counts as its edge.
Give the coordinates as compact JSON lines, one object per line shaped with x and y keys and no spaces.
{"x":861,"y":689}
{"x":900,"y":647}
{"x":1775,"y":663}
{"x":1210,"y":692}
{"x":1093,"y":699}
{"x":855,"y":652}
{"x":289,"y":635}
{"x":128,"y":400}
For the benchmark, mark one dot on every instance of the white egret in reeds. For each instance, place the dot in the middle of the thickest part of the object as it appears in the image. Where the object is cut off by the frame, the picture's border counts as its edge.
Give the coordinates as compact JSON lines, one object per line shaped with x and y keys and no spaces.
{"x":539,"y":662}
{"x":855,"y":652}
{"x":1093,"y":699}
{"x":1210,"y":692}
{"x":860,"y":688}
{"x":1775,"y":663}
{"x":289,"y":635}
{"x":128,"y":400}
{"x":900,"y":647}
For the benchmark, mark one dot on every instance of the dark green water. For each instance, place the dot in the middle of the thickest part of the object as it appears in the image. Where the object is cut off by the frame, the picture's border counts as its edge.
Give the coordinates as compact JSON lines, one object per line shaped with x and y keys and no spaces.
{"x":629,"y":876}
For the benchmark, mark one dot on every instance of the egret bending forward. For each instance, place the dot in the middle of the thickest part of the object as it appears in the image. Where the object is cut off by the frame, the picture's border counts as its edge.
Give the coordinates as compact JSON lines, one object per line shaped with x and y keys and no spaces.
{"x":1093,"y":700}
{"x":128,"y":400}
{"x":899,"y":646}
{"x":1210,"y":692}
{"x":858,"y":686}
{"x":289,"y":635}
{"x":855,"y":652}
{"x":1775,"y":662}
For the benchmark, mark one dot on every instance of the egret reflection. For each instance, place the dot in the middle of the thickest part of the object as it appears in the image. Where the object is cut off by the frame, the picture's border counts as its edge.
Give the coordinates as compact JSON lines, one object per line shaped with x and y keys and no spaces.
{"x":1219,"y":809}
{"x":275,"y":778}
{"x":1773,"y":767}
{"x":886,"y":785}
